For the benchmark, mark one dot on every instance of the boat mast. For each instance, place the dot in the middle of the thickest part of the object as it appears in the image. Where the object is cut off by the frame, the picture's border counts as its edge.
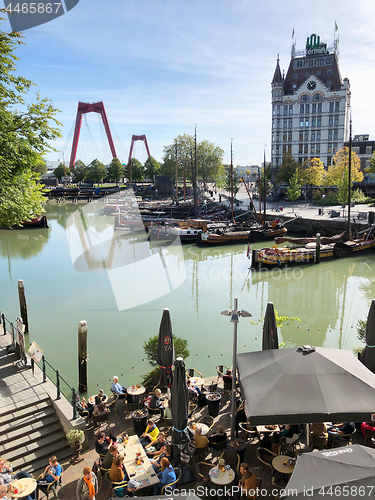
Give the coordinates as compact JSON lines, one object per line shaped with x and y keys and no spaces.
{"x":176,"y":173}
{"x":260,"y":197}
{"x":264,"y":186}
{"x":195,"y":173}
{"x":231,"y":176}
{"x":350,"y":172}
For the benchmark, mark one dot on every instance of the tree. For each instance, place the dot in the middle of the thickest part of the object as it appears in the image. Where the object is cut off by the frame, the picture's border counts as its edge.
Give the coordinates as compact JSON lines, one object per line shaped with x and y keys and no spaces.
{"x":79,"y":171}
{"x":294,"y":189}
{"x":59,"y":171}
{"x":340,"y":163}
{"x":152,"y":168}
{"x":151,"y":345}
{"x":26,"y":129}
{"x":371,"y":168}
{"x":115,"y":170}
{"x":287,"y":168}
{"x":343,"y":189}
{"x":138,"y":172}
{"x":209,"y":161}
{"x":236,"y":183}
{"x":41,"y":168}
{"x":96,"y":171}
{"x":313,"y":172}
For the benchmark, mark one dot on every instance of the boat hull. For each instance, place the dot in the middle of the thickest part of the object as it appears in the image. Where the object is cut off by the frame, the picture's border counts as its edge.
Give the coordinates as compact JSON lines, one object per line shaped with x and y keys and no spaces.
{"x":31,"y":224}
{"x":250,"y":236}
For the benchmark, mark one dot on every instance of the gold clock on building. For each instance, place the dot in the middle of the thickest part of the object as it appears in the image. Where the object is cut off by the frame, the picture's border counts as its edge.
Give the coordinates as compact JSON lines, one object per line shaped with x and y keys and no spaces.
{"x":311,"y":85}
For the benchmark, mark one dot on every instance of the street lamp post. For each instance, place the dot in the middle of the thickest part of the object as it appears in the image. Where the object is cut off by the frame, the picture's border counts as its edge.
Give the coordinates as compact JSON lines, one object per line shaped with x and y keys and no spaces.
{"x":235,"y":318}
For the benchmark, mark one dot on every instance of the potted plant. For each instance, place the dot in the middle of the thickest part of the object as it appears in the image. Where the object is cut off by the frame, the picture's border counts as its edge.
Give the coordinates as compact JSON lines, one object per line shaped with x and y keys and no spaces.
{"x":75,"y":438}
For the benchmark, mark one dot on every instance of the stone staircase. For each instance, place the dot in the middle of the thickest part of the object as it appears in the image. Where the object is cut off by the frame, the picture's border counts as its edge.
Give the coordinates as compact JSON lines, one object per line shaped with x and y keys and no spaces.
{"x":30,"y":433}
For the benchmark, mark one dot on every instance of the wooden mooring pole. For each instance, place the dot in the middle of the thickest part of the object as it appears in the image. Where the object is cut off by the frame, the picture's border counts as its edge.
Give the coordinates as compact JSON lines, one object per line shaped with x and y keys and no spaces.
{"x":23,"y":306}
{"x":317,"y":250}
{"x":82,"y":355}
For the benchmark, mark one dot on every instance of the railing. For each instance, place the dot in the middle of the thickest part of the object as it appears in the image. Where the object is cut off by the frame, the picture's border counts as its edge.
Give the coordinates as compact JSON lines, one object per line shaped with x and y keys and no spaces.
{"x":47,"y":369}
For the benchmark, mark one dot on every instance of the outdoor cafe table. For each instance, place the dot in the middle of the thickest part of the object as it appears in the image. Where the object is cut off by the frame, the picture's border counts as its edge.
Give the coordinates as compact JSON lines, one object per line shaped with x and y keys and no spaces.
{"x":136,"y":392}
{"x":263,"y":429}
{"x":196,"y":381}
{"x":222,"y":478}
{"x":29,"y":485}
{"x":92,"y":400}
{"x":280,"y":463}
{"x":143,"y":473}
{"x":204,"y":427}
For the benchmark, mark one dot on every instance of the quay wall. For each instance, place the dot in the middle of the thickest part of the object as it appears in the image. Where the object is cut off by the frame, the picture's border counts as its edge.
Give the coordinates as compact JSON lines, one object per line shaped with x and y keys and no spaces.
{"x":309,"y":227}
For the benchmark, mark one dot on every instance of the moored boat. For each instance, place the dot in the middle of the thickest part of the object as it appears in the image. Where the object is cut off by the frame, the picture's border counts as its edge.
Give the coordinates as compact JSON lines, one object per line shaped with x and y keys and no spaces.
{"x":240,"y":234}
{"x":187,"y":231}
{"x":31,"y":224}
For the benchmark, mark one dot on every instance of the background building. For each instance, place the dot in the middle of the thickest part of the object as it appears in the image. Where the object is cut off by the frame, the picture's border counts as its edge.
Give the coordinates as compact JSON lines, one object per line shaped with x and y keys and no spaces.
{"x":310,"y":105}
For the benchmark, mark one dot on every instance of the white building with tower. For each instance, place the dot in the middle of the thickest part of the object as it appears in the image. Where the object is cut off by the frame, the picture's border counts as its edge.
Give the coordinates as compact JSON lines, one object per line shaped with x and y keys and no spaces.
{"x":310,"y":105}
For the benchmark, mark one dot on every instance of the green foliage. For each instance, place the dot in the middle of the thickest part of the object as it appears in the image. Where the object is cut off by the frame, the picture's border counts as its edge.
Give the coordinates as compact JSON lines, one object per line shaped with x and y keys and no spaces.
{"x":279,"y":320}
{"x":209,"y":161}
{"x":75,"y":436}
{"x":371,"y":168}
{"x":236,"y":183}
{"x":79,"y":171}
{"x":26,"y":129}
{"x":41,"y":168}
{"x":59,"y":171}
{"x":294,"y":189}
{"x":152,"y":168}
{"x":343,"y":188}
{"x":268,"y":178}
{"x":361,"y":330}
{"x":359,"y":197}
{"x":287,"y":169}
{"x":151,"y":345}
{"x":96,"y":171}
{"x":151,"y":378}
{"x":115,"y":170}
{"x":329,"y":199}
{"x":137,"y":170}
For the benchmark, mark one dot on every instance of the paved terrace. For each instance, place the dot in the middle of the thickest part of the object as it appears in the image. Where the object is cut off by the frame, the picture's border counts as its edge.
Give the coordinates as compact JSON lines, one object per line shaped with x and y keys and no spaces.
{"x":19,"y":384}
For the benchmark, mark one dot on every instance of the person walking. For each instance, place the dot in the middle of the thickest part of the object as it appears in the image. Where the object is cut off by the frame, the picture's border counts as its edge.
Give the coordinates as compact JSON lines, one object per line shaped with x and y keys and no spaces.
{"x":87,"y":485}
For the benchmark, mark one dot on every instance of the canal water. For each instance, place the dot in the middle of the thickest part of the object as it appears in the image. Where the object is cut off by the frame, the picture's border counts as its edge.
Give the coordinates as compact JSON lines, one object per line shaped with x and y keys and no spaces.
{"x":71,"y":275}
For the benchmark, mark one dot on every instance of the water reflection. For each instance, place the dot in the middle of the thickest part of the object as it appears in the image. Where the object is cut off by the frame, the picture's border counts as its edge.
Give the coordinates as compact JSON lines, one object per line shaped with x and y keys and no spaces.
{"x":23,"y":243}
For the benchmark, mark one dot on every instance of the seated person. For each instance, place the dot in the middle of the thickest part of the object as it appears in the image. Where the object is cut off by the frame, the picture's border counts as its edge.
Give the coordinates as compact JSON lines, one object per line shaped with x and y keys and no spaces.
{"x":367,"y":426}
{"x":166,"y":475}
{"x":117,"y":473}
{"x":101,"y":394}
{"x":5,"y":471}
{"x":319,"y":433}
{"x":168,"y":410}
{"x":110,"y":456}
{"x":200,"y":441}
{"x":82,"y":407}
{"x":166,"y":451}
{"x":227,"y":378}
{"x":289,"y":432}
{"x":219,"y":437}
{"x":195,"y":391}
{"x":130,"y":488}
{"x":99,"y":408}
{"x":240,"y":416}
{"x":102,"y":442}
{"x":150,"y":434}
{"x":156,"y":402}
{"x":51,"y":473}
{"x":340,"y":431}
{"x":155,"y":445}
{"x":118,"y":389}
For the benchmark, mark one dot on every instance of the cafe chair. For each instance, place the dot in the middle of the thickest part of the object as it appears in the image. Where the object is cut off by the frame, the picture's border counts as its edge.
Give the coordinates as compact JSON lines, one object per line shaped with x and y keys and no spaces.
{"x":190,"y":373}
{"x":203,"y":469}
{"x":265,"y":458}
{"x":249,"y":433}
{"x":192,"y":408}
{"x":208,"y":420}
{"x":220,"y":371}
{"x":103,"y":473}
{"x":288,"y":450}
{"x":219,"y":447}
{"x":99,"y":419}
{"x":177,"y":471}
{"x":211,"y":387}
{"x":348,"y":438}
{"x":369,"y":433}
{"x":51,"y":487}
{"x":319,"y":442}
{"x":112,"y":403}
{"x":232,"y":458}
{"x":114,"y":485}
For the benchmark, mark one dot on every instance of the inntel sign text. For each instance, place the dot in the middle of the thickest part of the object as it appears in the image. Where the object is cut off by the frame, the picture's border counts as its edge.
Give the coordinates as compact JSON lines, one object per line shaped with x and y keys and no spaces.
{"x":314,"y":47}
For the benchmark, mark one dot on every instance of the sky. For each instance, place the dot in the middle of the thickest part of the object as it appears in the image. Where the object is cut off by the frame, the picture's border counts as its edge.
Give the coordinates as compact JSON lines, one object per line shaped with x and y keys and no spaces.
{"x":162,"y":67}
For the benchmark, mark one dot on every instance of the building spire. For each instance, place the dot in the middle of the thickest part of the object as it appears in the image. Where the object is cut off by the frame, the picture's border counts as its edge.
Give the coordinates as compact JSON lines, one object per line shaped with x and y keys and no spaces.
{"x":277,"y":77}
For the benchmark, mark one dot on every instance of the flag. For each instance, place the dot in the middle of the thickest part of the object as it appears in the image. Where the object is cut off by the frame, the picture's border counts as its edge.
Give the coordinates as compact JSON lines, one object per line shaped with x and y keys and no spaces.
{"x":248,"y":251}
{"x":336,"y":27}
{"x":293,"y":32}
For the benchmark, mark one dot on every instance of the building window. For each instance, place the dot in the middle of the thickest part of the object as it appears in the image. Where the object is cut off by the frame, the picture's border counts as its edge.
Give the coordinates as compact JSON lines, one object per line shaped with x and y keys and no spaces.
{"x":318,"y":121}
{"x":285,"y":123}
{"x":319,"y":107}
{"x":301,"y":122}
{"x":285,"y":110}
{"x":313,"y":135}
{"x":300,"y":159}
{"x":277,"y":150}
{"x":317,"y":148}
{"x":330,"y":121}
{"x":329,"y":83}
{"x":312,"y":149}
{"x":278,"y":136}
{"x":305,"y":98}
{"x":313,"y":121}
{"x":295,"y":76}
{"x":356,"y":150}
{"x":337,"y":106}
{"x":306,"y":148}
{"x":306,"y":122}
{"x":302,"y":109}
{"x":277,"y":162}
{"x":290,"y":109}
{"x":284,"y":149}
{"x":300,"y":151}
{"x":290,"y":123}
{"x":307,"y":74}
{"x":307,"y":108}
{"x":277,"y":123}
{"x":318,"y":134}
{"x":306,"y":135}
{"x":331,"y":106}
{"x":330,"y":135}
{"x":284,"y":137}
{"x":301,"y":136}
{"x":317,"y":97}
{"x":369,"y":150}
{"x":290,"y":136}
{"x":289,"y":148}
{"x":313,"y":108}
{"x":336,"y":134}
{"x":329,"y":72}
{"x":329,"y":150}
{"x":318,"y":72}
{"x":334,"y":148}
{"x":336,"y":120}
{"x":329,"y":161}
{"x":278,"y":110}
